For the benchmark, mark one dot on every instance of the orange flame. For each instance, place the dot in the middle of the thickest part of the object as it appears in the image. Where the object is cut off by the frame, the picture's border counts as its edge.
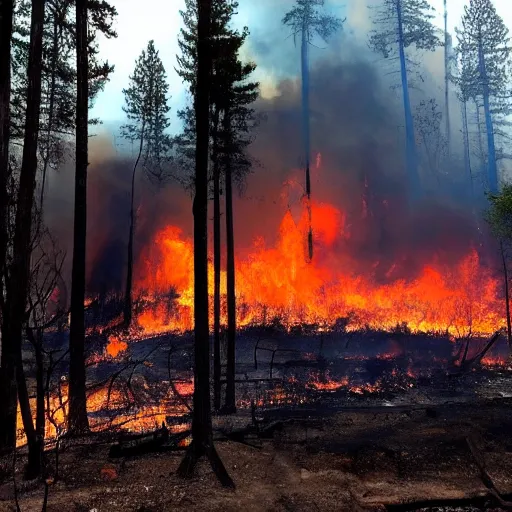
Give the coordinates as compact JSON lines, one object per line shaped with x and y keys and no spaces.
{"x":279,"y":282}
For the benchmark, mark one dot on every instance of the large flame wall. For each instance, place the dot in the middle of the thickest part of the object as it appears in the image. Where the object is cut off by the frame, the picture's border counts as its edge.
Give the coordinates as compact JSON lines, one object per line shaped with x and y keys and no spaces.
{"x":277,"y":281}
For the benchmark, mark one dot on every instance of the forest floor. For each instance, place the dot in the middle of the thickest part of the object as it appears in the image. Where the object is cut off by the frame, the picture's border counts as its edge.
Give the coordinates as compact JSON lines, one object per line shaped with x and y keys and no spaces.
{"x":366,"y":459}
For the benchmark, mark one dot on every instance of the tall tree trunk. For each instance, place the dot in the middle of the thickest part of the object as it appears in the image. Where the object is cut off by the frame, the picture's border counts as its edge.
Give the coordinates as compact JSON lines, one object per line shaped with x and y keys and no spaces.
{"x":306,"y":125}
{"x":230,"y":406}
{"x":467,"y":155}
{"x":128,"y":301}
{"x":216,"y":265}
{"x":35,"y":437}
{"x":34,"y":443}
{"x":17,"y":286}
{"x":447,"y":80}
{"x":483,"y":162}
{"x":51,"y":103}
{"x":410,"y":142}
{"x":491,"y":149}
{"x":77,"y":416}
{"x":202,"y":436}
{"x":8,"y":395}
{"x":507,"y":296}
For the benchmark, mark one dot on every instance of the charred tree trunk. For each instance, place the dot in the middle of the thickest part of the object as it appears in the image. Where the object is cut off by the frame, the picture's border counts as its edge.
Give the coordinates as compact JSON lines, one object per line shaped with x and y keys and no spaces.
{"x":202,"y":436}
{"x":306,"y":126}
{"x":507,"y":296}
{"x":230,"y":405}
{"x":77,"y":416}
{"x":128,"y":301}
{"x":17,"y":287}
{"x":216,"y":266}
{"x":7,"y":362}
{"x":34,"y":443}
{"x":36,"y":339}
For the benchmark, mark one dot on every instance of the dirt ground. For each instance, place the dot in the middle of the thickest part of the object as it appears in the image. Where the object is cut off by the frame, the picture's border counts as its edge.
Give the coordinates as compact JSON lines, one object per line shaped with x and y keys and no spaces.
{"x":353,"y":460}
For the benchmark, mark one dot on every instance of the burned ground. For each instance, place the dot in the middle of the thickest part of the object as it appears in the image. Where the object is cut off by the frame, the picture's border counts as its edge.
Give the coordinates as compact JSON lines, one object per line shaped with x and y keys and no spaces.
{"x":339,"y":421}
{"x":366,"y":459}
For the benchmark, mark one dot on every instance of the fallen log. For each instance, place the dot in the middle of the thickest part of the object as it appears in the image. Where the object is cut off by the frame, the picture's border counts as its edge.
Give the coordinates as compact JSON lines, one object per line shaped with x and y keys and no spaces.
{"x":160,"y":440}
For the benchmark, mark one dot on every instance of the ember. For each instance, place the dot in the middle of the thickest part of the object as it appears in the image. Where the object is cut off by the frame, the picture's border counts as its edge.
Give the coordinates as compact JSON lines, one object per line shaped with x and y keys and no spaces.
{"x":115,"y":346}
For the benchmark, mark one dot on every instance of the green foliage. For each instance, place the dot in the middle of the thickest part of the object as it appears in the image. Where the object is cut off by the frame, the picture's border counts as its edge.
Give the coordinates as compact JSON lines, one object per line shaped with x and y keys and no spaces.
{"x":231,"y":92}
{"x":147,"y":111}
{"x":499,"y":213}
{"x":484,"y":55}
{"x":417,"y":27}
{"x":59,"y":69}
{"x":483,"y":29}
{"x":307,"y":18}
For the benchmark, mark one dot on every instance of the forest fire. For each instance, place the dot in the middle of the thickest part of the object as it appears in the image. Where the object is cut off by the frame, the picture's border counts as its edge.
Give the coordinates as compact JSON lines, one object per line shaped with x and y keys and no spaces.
{"x":276,"y":282}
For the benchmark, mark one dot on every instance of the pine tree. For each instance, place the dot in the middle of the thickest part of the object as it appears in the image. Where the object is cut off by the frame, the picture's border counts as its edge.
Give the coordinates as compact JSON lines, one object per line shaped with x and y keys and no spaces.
{"x":202,"y":436}
{"x":147,"y":110}
{"x":465,"y":94}
{"x":405,"y":23}
{"x":484,"y":41}
{"x":221,"y":31}
{"x":58,"y":101}
{"x":90,"y":78}
{"x":306,"y":20}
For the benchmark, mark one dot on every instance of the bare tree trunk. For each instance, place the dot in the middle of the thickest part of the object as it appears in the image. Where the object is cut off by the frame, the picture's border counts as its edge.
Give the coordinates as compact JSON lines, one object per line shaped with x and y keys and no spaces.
{"x":491,"y":149}
{"x":410,"y":141}
{"x":202,"y":436}
{"x":467,"y":155}
{"x":230,"y":405}
{"x":77,"y":416}
{"x":128,"y":301}
{"x":306,"y":124}
{"x":51,"y":106}
{"x":447,"y":80}
{"x":216,"y":267}
{"x":35,"y":447}
{"x":36,"y":339}
{"x":8,"y":394}
{"x":507,"y":296}
{"x":17,"y":286}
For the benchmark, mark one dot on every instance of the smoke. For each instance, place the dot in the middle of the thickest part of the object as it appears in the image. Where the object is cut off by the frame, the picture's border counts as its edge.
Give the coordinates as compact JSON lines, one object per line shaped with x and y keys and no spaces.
{"x":356,"y":126}
{"x":358,"y":167}
{"x":108,"y":210}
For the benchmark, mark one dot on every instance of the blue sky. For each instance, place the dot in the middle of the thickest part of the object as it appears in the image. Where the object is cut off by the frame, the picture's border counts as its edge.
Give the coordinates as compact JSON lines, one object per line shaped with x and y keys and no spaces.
{"x":160,"y":20}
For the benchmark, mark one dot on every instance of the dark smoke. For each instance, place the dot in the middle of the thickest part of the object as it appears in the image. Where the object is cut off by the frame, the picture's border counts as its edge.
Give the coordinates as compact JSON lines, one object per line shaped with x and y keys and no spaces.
{"x":356,"y":126}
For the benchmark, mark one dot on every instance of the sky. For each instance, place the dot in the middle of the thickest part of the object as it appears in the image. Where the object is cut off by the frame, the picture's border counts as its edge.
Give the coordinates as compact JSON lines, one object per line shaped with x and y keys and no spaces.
{"x":160,"y":20}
